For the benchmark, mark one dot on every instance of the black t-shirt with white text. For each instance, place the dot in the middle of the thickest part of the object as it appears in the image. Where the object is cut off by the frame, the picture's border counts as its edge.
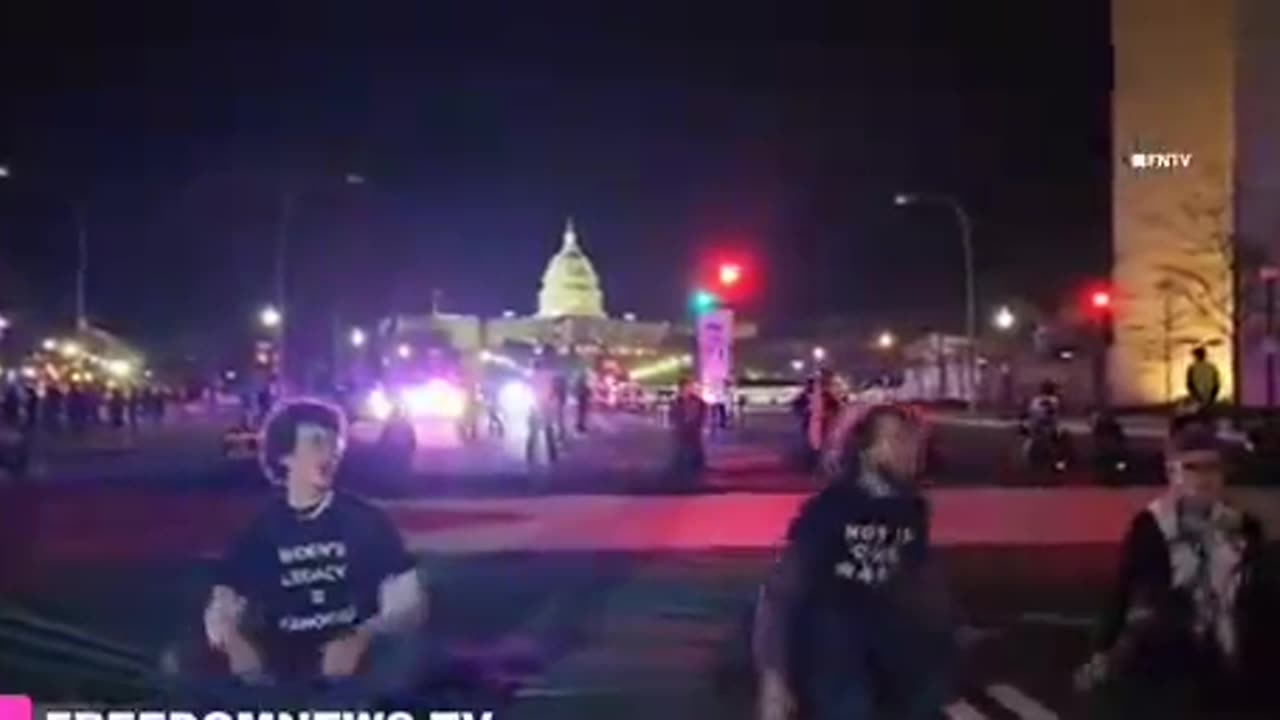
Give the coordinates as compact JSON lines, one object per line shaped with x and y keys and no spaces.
{"x":310,"y":579}
{"x":854,"y":545}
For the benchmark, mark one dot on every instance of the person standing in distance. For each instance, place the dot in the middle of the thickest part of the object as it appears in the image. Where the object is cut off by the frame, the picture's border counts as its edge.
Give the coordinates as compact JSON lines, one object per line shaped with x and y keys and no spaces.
{"x":319,"y":590}
{"x":1204,"y":383}
{"x":854,"y":621}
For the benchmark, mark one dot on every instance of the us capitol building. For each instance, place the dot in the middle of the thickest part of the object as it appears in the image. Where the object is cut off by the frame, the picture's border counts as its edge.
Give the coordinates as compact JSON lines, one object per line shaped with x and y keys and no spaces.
{"x":571,"y":319}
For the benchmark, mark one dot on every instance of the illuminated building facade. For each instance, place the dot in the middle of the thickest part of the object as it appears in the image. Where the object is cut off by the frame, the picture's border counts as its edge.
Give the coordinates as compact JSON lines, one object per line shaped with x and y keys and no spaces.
{"x":1196,"y":190}
{"x":570,"y":318}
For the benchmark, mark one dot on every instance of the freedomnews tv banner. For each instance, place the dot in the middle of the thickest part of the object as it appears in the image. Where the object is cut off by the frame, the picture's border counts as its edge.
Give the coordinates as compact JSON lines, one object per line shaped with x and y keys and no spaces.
{"x":19,"y":707}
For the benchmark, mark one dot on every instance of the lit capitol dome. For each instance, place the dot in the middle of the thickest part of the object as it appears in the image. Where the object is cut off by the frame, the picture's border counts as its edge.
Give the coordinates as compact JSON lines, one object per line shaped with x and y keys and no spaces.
{"x":570,"y":286}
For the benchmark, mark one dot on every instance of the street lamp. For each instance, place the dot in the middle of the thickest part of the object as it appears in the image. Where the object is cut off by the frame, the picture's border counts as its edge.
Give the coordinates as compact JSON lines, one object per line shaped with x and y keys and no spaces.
{"x":1004,"y":319}
{"x":270,"y":317}
{"x":404,"y":351}
{"x":358,"y":338}
{"x":289,"y":200}
{"x":82,"y":254}
{"x":886,"y":340}
{"x":819,"y":353}
{"x":970,"y":291}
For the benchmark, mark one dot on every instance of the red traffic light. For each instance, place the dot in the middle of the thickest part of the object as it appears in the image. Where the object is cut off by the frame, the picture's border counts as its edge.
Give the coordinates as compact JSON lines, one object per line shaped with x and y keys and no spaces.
{"x":730,"y":274}
{"x":1100,"y":300}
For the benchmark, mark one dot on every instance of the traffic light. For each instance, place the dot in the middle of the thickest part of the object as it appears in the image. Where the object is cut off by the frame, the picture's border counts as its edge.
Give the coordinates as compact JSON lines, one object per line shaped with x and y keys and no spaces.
{"x":703,"y":301}
{"x":1100,"y":313}
{"x":730,"y":274}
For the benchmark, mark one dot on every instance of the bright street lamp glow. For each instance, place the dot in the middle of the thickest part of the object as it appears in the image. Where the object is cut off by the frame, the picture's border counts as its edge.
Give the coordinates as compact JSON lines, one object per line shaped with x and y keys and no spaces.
{"x":886,"y":340}
{"x":4,"y":171}
{"x":903,"y":199}
{"x":70,"y":349}
{"x":404,"y":351}
{"x":797,"y":365}
{"x":358,"y":338}
{"x":270,"y":317}
{"x":516,"y":399}
{"x":4,"y":323}
{"x":120,"y":368}
{"x":819,"y":353}
{"x":379,"y":405}
{"x":49,"y":344}
{"x":1005,"y":319}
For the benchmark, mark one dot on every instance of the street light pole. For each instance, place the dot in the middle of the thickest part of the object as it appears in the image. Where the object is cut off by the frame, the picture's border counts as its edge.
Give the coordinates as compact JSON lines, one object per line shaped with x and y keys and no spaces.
{"x":1270,"y":275}
{"x":971,"y":300}
{"x":970,"y":282}
{"x":287,"y":202}
{"x":82,"y":267}
{"x":80,"y":217}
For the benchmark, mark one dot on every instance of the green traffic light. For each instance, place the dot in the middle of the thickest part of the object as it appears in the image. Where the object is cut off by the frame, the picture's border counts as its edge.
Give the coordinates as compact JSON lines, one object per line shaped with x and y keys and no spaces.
{"x":704,"y":301}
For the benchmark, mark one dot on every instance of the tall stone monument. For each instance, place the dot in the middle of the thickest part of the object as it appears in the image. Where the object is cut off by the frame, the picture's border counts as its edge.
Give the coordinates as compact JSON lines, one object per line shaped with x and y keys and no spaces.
{"x":1196,"y":191}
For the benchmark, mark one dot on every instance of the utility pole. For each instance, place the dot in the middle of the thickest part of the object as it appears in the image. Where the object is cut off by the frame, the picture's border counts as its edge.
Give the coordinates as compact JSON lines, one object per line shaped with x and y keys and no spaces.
{"x":82,"y":267}
{"x":287,"y":200}
{"x":1270,"y":275}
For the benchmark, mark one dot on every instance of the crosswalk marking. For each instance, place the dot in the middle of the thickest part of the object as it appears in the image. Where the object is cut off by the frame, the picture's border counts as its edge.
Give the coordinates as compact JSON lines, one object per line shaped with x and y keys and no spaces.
{"x":961,"y":710}
{"x":1021,"y":704}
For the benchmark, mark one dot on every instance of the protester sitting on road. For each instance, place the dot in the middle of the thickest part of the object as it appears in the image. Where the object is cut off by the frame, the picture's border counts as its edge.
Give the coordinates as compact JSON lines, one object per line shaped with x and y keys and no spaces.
{"x":1044,"y":407}
{"x":319,"y":590}
{"x":854,"y":619}
{"x":1181,"y":614}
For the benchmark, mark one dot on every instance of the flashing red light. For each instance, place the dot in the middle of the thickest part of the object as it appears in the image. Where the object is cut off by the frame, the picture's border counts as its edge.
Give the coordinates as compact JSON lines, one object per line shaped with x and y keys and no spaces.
{"x":730,"y":274}
{"x":1100,"y":299}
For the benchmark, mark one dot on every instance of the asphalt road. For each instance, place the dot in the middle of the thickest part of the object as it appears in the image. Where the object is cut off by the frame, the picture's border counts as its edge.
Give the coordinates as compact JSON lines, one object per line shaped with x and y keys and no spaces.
{"x":623,"y":453}
{"x":555,"y":634}
{"x":574,"y":635}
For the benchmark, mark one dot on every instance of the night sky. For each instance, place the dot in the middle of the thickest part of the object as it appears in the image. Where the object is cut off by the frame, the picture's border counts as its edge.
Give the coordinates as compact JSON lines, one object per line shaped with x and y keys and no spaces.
{"x":781,"y":128}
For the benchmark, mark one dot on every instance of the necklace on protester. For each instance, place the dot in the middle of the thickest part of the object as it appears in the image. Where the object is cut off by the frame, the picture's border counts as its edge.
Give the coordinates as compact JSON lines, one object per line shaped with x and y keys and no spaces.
{"x":314,"y":511}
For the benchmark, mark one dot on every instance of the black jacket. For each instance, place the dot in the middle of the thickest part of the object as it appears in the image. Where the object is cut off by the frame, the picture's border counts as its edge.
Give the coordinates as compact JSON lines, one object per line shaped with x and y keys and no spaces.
{"x":1145,"y":578}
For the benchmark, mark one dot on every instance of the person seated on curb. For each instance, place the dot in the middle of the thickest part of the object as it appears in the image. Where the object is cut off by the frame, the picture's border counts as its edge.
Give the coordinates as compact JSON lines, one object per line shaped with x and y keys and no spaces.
{"x":318,"y":600}
{"x":1180,"y":615}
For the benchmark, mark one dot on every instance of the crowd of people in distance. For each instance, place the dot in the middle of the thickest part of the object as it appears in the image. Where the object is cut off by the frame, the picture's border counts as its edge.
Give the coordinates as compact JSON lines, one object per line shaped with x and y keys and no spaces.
{"x":32,"y":410}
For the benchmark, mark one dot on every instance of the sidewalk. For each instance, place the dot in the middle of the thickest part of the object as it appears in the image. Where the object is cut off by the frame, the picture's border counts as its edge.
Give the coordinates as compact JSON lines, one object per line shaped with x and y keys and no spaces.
{"x":1147,"y":427}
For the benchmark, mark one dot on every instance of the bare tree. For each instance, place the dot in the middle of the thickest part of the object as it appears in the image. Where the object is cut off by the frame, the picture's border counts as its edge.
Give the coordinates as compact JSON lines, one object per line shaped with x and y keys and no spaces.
{"x":1202,"y":274}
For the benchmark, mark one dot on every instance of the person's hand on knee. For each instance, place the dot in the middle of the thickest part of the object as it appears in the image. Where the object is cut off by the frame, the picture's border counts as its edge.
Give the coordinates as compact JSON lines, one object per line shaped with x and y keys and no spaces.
{"x":342,"y":656}
{"x":222,"y":622}
{"x":1093,"y":673}
{"x":776,"y":700}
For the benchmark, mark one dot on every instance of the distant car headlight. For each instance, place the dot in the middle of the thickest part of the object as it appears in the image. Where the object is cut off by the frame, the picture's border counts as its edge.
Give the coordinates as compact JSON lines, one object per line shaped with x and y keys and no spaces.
{"x":437,"y":398}
{"x":379,"y":405}
{"x":516,"y":398}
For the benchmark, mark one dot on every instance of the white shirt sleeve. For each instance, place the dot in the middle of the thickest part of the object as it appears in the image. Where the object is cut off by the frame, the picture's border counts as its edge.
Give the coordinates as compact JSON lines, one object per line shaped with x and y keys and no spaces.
{"x":222,"y":615}
{"x":402,"y":603}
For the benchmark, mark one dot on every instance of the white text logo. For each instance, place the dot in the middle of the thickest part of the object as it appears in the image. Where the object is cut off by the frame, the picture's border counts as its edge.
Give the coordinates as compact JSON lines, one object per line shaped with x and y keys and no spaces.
{"x":1160,"y":161}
